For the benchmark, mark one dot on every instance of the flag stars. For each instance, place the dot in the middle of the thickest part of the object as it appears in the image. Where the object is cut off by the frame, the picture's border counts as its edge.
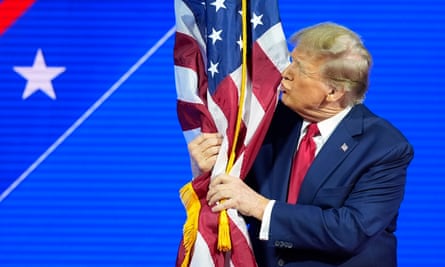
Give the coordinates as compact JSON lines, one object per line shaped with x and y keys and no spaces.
{"x":213,"y":68}
{"x":219,"y":4}
{"x":240,"y":43}
{"x":256,"y":20}
{"x":215,"y":36}
{"x":39,"y":76}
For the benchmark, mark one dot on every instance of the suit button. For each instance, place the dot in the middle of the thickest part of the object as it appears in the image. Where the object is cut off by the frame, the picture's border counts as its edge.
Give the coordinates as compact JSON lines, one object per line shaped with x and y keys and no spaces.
{"x":279,"y":244}
{"x":281,"y":262}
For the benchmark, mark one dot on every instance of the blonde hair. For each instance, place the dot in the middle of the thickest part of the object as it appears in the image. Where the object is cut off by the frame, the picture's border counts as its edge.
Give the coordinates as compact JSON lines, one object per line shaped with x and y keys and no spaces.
{"x":346,"y":61}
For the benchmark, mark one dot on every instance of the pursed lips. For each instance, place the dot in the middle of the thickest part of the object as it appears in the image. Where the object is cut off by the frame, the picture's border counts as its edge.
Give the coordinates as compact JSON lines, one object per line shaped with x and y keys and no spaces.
{"x":283,"y":89}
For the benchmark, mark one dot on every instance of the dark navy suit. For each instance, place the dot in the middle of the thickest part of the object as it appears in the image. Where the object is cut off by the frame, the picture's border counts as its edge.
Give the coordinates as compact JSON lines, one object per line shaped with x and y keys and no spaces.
{"x":348,"y":204}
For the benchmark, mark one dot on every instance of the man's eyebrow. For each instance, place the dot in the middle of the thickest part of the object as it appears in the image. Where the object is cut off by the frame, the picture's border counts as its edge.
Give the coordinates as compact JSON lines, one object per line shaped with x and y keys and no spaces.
{"x":298,"y":62}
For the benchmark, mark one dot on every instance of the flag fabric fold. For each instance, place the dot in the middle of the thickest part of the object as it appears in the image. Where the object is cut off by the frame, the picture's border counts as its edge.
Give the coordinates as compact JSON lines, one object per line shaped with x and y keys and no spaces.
{"x":211,"y":97}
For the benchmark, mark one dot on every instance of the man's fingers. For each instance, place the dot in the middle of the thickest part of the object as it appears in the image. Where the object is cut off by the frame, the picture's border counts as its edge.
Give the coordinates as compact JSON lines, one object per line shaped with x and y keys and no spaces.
{"x":223,"y":205}
{"x":211,"y":140}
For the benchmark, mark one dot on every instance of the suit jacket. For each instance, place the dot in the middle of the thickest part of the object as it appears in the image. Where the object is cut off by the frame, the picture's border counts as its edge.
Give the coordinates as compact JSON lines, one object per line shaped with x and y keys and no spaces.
{"x":348,"y":205}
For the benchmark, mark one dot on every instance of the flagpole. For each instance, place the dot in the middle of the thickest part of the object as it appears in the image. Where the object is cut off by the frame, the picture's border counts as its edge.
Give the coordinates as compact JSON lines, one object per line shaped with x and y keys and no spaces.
{"x":224,"y":242}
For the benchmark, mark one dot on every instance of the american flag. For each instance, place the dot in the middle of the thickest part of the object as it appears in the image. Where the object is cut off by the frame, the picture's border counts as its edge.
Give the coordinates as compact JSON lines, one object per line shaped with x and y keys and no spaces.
{"x":208,"y":57}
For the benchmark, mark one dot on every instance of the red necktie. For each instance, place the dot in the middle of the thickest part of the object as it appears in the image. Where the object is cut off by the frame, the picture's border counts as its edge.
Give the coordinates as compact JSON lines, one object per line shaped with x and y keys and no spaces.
{"x":302,"y":160}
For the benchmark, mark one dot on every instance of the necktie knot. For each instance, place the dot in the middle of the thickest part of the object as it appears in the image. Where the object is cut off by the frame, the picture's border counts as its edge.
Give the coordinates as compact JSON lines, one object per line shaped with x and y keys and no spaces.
{"x":312,"y":130}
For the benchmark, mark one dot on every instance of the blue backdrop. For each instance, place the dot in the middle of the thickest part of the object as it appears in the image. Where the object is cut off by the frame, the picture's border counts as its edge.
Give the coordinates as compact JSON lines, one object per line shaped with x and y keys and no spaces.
{"x":91,"y":164}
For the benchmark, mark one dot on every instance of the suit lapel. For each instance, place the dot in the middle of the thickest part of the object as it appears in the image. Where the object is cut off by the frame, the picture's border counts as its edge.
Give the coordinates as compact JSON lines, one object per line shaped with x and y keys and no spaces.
{"x":332,"y":154}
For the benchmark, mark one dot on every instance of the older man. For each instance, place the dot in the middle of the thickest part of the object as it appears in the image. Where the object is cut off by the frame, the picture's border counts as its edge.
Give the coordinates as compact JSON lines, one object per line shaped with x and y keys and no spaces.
{"x":327,"y":184}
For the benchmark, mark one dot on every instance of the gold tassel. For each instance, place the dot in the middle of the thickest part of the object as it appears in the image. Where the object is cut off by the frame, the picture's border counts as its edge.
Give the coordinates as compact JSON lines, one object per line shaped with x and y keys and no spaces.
{"x":192,"y":206}
{"x":224,"y":243}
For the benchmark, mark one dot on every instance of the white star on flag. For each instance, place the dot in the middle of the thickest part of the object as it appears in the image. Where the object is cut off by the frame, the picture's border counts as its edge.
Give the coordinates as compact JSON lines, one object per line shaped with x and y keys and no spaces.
{"x":256,"y":20}
{"x":39,"y":76}
{"x":213,"y":68}
{"x":218,"y":4}
{"x":215,"y":36}
{"x":240,"y":43}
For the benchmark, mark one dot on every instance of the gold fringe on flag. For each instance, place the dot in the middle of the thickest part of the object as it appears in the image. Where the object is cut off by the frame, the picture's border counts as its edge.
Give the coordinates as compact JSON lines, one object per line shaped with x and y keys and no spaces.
{"x":224,"y":242}
{"x":192,"y":206}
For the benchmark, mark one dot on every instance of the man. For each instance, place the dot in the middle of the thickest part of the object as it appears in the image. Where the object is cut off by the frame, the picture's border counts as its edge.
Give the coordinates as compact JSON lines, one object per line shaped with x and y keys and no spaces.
{"x":344,"y":212}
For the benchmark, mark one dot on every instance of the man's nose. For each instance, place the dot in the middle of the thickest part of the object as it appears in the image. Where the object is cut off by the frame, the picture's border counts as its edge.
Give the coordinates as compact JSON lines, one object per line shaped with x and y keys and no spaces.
{"x":286,"y":74}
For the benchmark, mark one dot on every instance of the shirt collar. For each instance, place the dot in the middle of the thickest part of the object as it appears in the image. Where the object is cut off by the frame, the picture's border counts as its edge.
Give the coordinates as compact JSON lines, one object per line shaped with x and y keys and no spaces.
{"x":327,"y":126}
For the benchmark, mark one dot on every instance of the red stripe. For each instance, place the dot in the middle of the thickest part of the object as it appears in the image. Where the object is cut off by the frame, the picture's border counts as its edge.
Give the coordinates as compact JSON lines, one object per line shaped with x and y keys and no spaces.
{"x":265,"y":80}
{"x":242,"y":254}
{"x":181,"y":253}
{"x":252,"y":149}
{"x":226,"y":97}
{"x":11,"y":10}
{"x":188,"y":54}
{"x":208,"y":220}
{"x":191,"y":115}
{"x":265,"y":77}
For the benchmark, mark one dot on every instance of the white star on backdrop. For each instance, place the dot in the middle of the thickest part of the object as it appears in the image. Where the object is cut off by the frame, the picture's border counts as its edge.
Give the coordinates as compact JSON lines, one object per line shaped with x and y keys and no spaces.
{"x":213,"y":68}
{"x":215,"y":36}
{"x":256,"y":20}
{"x":218,"y":4}
{"x":39,"y":76}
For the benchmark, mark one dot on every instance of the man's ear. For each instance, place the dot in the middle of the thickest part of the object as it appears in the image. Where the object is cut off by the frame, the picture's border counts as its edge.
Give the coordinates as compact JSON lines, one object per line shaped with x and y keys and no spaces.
{"x":335,"y":94}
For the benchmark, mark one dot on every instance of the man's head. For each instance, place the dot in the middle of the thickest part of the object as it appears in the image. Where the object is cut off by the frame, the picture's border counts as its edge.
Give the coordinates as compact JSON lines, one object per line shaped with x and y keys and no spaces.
{"x":329,"y":71}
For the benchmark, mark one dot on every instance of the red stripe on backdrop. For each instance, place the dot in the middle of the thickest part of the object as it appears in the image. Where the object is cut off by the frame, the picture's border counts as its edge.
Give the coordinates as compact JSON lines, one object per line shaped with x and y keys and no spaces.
{"x":11,"y":10}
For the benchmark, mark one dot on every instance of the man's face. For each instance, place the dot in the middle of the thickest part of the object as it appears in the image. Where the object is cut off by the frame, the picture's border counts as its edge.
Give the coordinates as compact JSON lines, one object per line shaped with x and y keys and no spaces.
{"x":302,"y":88}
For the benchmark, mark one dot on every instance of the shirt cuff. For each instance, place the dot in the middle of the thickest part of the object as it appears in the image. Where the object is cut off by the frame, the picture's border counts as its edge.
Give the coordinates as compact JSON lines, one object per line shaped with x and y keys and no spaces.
{"x":265,"y":223}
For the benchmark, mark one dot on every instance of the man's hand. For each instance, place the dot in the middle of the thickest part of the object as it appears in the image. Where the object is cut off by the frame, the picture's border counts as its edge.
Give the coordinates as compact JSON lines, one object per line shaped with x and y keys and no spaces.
{"x":204,"y":149}
{"x":230,"y":192}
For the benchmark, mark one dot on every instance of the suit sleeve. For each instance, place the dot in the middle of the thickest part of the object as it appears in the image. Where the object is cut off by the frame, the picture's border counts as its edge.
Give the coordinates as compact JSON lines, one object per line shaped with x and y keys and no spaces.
{"x":342,"y":218}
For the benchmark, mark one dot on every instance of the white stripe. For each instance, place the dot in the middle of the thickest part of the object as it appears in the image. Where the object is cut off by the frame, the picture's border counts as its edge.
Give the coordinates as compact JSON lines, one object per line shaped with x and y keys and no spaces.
{"x":187,"y":85}
{"x":186,"y":24}
{"x":221,"y":124}
{"x":240,"y":223}
{"x":87,"y":114}
{"x":273,"y":42}
{"x":236,"y":168}
{"x":202,"y":256}
{"x":253,"y":112}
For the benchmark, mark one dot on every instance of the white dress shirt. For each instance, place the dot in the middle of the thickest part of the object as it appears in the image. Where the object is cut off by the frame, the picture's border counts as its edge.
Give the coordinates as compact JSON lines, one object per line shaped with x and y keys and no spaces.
{"x":326,"y":128}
